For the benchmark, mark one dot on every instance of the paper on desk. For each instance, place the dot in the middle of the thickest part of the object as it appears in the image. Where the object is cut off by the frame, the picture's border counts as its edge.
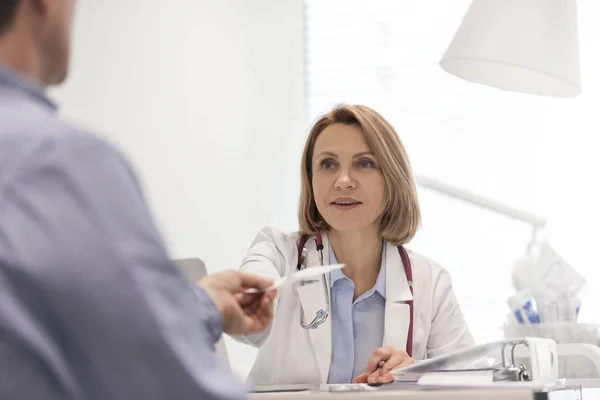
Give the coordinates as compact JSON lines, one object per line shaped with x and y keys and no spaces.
{"x":483,"y":379}
{"x":303,"y":274}
{"x":457,"y":378}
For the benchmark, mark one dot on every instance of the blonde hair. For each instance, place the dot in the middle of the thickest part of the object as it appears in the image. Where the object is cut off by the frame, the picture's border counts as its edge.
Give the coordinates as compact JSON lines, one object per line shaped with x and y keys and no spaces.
{"x":401,"y":216}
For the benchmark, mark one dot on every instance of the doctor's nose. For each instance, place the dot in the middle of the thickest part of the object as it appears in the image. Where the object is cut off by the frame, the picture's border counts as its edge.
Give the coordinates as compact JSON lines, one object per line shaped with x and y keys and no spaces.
{"x":345,"y":181}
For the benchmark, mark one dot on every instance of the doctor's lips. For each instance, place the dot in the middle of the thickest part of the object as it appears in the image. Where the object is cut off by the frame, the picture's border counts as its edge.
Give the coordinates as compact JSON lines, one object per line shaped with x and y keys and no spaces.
{"x":345,"y":203}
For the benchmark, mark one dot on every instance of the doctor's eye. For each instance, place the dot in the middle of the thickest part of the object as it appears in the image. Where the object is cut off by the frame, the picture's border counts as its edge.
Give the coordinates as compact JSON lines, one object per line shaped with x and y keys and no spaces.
{"x":327,"y":164}
{"x":366,"y":163}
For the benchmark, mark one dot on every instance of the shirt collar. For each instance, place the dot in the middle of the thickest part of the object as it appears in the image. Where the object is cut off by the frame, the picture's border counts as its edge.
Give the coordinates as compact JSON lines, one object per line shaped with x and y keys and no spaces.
{"x":11,"y":80}
{"x":337,"y":274}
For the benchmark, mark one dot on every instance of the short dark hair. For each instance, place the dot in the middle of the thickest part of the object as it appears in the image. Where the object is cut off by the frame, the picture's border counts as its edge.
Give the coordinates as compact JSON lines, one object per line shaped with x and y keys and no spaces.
{"x":8,"y":10}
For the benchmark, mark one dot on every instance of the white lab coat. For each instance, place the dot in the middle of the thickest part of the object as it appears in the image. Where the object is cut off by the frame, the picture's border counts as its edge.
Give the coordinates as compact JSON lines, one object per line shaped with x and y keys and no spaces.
{"x":289,"y":354}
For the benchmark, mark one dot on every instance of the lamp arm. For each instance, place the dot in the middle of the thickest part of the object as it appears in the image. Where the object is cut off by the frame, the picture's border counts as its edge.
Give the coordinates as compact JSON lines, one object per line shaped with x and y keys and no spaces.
{"x":480,"y":201}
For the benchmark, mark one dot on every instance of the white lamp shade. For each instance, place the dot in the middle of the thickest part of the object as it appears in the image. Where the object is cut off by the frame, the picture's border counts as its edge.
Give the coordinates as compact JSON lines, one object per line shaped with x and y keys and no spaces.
{"x":528,"y":46}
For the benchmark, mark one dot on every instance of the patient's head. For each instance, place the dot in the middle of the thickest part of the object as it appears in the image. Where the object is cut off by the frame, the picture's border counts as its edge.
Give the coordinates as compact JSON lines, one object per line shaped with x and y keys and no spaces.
{"x":35,"y":38}
{"x":356,"y":176}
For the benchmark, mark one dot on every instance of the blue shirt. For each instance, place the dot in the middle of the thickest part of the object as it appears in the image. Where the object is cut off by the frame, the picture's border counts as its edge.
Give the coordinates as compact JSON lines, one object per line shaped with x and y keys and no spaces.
{"x":90,"y":305}
{"x":357,"y":326}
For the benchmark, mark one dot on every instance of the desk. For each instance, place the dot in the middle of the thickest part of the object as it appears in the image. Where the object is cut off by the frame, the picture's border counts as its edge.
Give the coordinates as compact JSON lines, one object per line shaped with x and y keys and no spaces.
{"x":459,"y":394}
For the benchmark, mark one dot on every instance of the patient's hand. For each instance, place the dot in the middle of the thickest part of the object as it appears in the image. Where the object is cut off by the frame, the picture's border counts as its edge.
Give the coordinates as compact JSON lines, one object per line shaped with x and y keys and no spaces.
{"x":382,"y":361}
{"x":241,"y":313}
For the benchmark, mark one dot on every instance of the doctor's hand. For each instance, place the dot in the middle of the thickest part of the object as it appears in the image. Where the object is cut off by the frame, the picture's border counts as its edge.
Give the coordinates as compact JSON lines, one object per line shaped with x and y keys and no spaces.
{"x":382,"y":361}
{"x":241,"y":313}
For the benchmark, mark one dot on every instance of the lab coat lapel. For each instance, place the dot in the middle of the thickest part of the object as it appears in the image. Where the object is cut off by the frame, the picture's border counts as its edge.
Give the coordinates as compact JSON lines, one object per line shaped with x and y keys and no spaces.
{"x":312,"y":298}
{"x":397,"y":310}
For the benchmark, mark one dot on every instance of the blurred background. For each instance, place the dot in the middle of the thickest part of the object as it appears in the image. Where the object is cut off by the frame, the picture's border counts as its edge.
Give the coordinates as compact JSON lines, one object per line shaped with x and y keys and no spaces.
{"x":212,"y":100}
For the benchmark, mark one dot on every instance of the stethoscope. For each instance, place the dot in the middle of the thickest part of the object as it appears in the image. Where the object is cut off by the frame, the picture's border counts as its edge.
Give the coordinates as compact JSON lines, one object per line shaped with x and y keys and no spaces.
{"x":322,"y":314}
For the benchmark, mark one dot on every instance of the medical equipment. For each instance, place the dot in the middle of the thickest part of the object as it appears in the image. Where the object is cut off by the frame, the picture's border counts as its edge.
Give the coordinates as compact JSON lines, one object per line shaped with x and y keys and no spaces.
{"x":488,"y":363}
{"x":578,"y":363}
{"x":547,"y":303}
{"x":322,"y":314}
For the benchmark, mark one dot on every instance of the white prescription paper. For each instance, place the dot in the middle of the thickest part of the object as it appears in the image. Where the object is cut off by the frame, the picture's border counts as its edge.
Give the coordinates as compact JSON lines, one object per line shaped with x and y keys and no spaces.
{"x":306,"y":273}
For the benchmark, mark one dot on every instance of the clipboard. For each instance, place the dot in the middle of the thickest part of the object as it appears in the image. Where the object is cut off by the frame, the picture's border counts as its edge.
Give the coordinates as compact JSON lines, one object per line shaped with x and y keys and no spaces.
{"x":493,"y":362}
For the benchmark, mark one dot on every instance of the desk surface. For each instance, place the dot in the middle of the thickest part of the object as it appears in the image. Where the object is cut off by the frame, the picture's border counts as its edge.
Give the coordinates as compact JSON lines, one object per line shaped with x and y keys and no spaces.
{"x":459,"y":394}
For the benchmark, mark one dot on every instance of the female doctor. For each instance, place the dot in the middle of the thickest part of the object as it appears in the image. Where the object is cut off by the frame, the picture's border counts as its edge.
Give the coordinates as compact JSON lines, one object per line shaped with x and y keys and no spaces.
{"x":388,"y":306}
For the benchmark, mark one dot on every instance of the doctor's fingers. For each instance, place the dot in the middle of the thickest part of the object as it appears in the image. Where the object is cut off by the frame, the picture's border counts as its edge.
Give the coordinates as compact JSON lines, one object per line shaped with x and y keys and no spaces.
{"x":383,"y":374}
{"x":380,"y":354}
{"x":362,"y":378}
{"x":398,"y":359}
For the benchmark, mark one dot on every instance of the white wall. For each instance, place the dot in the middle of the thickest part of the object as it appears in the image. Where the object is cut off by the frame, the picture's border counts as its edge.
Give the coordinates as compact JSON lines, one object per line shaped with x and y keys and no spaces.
{"x":206,"y":97}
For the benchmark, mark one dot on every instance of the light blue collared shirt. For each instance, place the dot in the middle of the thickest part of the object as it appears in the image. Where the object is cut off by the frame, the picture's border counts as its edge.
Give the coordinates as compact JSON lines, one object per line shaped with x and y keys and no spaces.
{"x":91,"y":307}
{"x":357,"y":326}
